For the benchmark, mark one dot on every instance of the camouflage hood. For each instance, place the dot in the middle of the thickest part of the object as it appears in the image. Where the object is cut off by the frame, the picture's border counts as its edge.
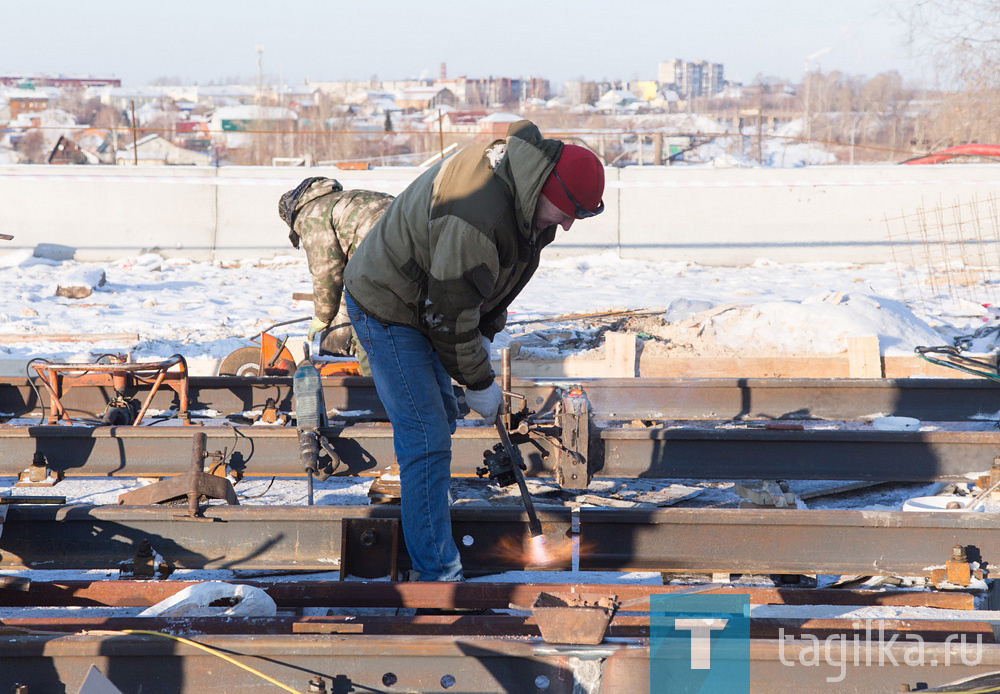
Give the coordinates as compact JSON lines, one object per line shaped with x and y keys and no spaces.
{"x":291,"y":202}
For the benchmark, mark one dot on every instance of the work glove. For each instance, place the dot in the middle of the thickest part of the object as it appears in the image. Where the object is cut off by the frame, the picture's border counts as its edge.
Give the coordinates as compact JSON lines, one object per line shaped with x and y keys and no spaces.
{"x":317,"y":325}
{"x":488,"y":346}
{"x":485,"y":402}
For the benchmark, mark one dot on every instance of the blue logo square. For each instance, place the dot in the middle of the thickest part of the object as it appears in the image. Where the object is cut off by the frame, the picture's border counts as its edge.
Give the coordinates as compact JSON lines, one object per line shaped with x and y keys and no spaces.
{"x":699,"y":643}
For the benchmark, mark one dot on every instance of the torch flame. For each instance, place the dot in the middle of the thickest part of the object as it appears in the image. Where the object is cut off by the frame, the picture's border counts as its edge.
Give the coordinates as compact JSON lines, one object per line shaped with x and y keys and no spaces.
{"x":538,"y":553}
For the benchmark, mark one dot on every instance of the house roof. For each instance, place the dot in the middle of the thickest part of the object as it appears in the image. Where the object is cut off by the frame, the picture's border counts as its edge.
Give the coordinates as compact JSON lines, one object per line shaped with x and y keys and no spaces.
{"x":465,"y":117}
{"x":501,"y":117}
{"x":248,"y":112}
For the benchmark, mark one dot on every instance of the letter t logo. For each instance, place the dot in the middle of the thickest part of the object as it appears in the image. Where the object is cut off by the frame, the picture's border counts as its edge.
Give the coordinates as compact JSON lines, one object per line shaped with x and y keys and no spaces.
{"x":701,"y":639}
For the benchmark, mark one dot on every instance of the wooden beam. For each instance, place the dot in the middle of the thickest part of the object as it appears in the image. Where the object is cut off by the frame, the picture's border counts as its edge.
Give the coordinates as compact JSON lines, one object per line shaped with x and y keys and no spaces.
{"x":620,"y":354}
{"x":863,"y":357}
{"x":68,"y":337}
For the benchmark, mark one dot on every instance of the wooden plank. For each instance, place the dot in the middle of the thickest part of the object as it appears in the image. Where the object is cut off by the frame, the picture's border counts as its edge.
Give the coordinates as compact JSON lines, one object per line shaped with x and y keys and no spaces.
{"x":863,"y":357}
{"x":910,"y":367}
{"x":620,"y":354}
{"x":67,"y":337}
{"x":744,"y":367}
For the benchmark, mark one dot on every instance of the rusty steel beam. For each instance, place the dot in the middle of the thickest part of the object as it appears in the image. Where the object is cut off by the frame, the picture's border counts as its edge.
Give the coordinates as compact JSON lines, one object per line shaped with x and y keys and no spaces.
{"x":233,"y":395}
{"x":253,"y":537}
{"x":654,"y":452}
{"x":767,"y":665}
{"x":441,"y":663}
{"x":782,"y":398}
{"x":656,"y":398}
{"x":783,"y":541}
{"x":261,"y":451}
{"x":308,"y":538}
{"x":628,"y":626}
{"x":624,"y":626}
{"x":47,"y":663}
{"x":469,"y":595}
{"x":657,"y":452}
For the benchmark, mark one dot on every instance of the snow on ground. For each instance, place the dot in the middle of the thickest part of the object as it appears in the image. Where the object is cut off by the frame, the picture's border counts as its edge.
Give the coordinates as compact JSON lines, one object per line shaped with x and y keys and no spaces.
{"x":207,"y":310}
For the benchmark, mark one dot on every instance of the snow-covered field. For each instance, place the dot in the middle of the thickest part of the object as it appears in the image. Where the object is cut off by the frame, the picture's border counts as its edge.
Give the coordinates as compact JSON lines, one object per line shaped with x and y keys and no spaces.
{"x":207,"y":310}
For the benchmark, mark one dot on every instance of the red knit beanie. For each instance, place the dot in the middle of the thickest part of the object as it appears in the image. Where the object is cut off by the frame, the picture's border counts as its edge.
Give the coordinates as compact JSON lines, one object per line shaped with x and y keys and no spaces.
{"x":582,"y":174}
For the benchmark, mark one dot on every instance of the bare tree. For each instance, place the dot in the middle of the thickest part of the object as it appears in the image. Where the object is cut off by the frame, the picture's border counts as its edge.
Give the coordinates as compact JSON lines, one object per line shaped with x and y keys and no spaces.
{"x":960,"y":37}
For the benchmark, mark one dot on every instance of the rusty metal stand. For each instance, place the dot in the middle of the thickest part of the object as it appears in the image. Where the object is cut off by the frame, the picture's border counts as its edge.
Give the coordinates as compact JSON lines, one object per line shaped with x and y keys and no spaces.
{"x":38,"y":474}
{"x":120,"y":374}
{"x":369,"y":548}
{"x":192,"y":485}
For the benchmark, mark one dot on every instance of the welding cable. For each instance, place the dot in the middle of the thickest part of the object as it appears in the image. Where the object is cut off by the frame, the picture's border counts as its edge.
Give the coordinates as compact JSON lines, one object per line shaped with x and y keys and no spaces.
{"x":257,"y":496}
{"x":964,"y":364}
{"x":208,"y":649}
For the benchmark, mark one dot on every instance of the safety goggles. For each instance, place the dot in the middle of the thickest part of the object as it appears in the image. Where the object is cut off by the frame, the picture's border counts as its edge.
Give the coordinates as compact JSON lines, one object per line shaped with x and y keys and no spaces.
{"x":581,"y":211}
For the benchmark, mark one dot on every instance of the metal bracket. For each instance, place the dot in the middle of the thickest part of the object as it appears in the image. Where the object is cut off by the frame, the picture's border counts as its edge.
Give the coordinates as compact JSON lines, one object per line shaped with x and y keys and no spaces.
{"x":369,"y":548}
{"x":38,"y":474}
{"x":957,"y":570}
{"x":143,"y":564}
{"x":573,"y":461}
{"x":191,"y":485}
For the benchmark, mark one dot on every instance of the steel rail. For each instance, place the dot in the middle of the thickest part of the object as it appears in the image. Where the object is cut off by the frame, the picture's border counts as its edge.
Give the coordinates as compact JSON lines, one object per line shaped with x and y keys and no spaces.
{"x":46,"y":663}
{"x":948,"y":456}
{"x":461,"y":664}
{"x":783,"y":541}
{"x":254,"y":537}
{"x":491,"y":540}
{"x":655,"y":452}
{"x":630,"y":625}
{"x":772,"y":665}
{"x":933,"y":399}
{"x":468,"y":595}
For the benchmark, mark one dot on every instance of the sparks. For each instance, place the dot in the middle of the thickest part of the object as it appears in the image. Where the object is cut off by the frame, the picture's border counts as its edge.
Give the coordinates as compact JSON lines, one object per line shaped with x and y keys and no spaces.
{"x":538,"y":553}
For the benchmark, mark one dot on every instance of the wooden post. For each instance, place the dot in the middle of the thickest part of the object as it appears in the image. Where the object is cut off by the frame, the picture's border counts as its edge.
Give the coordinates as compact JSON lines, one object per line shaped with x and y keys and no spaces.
{"x":620,"y":355}
{"x":441,"y":133}
{"x":658,"y":149}
{"x":863,"y":357}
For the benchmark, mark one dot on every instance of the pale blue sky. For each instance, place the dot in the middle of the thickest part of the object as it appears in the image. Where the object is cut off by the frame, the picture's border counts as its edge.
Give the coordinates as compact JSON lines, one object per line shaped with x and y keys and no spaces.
{"x":614,"y":39}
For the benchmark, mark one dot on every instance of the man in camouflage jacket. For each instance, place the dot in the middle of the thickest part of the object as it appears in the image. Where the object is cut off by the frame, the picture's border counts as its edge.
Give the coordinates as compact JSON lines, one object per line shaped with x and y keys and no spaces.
{"x":429,"y":289}
{"x":330,"y":223}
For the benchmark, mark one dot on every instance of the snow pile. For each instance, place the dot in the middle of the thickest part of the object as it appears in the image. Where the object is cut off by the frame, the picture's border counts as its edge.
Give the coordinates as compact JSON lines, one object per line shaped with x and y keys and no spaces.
{"x":819,"y":325}
{"x":784,"y":151}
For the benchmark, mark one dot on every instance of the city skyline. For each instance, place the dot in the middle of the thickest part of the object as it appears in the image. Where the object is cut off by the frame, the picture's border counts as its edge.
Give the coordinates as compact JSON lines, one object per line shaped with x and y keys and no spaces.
{"x":394,"y":40}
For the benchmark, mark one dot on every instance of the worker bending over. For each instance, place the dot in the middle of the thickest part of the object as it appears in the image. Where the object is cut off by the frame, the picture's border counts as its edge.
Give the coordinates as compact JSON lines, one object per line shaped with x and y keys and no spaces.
{"x":429,"y":289}
{"x":331,"y":223}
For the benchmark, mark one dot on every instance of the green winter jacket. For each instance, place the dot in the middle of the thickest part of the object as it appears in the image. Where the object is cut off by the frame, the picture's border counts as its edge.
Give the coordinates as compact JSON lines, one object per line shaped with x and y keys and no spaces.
{"x":457,"y":246}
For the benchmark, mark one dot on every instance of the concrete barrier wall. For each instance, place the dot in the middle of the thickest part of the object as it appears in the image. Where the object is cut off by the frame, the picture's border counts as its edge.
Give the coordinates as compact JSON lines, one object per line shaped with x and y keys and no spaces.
{"x":711,"y":216}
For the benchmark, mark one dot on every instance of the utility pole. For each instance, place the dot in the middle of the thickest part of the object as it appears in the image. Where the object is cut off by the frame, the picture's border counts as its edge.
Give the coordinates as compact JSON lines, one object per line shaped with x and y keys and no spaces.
{"x":260,"y":75}
{"x":805,"y":78}
{"x":135,"y":139}
{"x":760,"y":124}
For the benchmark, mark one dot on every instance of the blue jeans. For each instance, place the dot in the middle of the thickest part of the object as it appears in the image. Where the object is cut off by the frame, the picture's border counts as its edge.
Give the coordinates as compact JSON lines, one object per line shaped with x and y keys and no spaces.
{"x":418,"y":397}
